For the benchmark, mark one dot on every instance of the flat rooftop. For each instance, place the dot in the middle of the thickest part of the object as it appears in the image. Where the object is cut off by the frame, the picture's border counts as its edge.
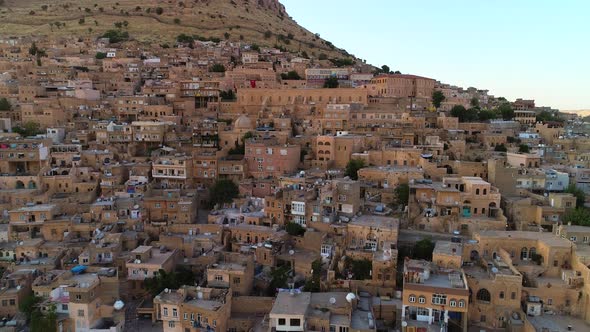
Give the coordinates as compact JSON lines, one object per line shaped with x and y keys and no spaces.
{"x":375,"y":221}
{"x":448,"y":248}
{"x":287,"y":304}
{"x":546,"y":237}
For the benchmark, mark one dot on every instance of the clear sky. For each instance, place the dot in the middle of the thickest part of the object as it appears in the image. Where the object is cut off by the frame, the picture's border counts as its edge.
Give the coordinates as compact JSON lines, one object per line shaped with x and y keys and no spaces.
{"x":533,"y":49}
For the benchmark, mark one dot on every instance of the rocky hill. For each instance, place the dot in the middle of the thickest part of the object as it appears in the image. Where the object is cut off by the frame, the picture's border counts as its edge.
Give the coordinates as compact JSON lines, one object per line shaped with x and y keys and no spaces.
{"x":264,"y":22}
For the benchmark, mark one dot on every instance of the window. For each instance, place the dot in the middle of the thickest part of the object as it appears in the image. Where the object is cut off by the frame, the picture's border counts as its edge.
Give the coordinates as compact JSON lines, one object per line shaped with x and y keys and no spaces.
{"x":165,"y":311}
{"x":64,"y":307}
{"x":174,"y":312}
{"x":482,"y":318}
{"x":422,"y":299}
{"x":171,"y":324}
{"x":12,"y":302}
{"x":513,"y":296}
{"x":573,"y":238}
{"x":483,"y":295}
{"x":218,"y":277}
{"x":440,"y":299}
{"x":236,"y":281}
{"x":585,"y":239}
{"x":549,"y":301}
{"x":412,"y":298}
{"x":214,"y":323}
{"x":282,"y":321}
{"x":81,"y":313}
{"x":78,"y":297}
{"x":295,"y":322}
{"x":453,"y":303}
{"x":461,"y":303}
{"x":185,"y":316}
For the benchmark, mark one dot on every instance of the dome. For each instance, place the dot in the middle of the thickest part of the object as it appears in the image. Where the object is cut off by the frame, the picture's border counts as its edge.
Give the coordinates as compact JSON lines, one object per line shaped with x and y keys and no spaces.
{"x":243,"y":122}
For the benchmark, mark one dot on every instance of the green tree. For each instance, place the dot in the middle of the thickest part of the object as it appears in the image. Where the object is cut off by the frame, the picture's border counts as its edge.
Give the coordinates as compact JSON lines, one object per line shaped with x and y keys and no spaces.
{"x":228,"y":95}
{"x":170,"y":280}
{"x":33,"y":49}
{"x":437,"y":98}
{"x":474,"y":102}
{"x":485,"y":115}
{"x":5,"y":105}
{"x":578,"y":216}
{"x":331,"y":83}
{"x":523,"y":148}
{"x":226,"y":35}
{"x":267,"y":34}
{"x":402,"y":194}
{"x":100,"y":55}
{"x":279,"y":278}
{"x":294,"y":229}
{"x":353,"y":167}
{"x":361,"y":269}
{"x":177,"y":21}
{"x":116,"y":36}
{"x":500,"y":148}
{"x":28,"y":129}
{"x":159,"y":10}
{"x":313,"y":284}
{"x":546,"y":116}
{"x":29,"y":305}
{"x":223,"y":191}
{"x":506,"y":111}
{"x":292,"y":75}
{"x":217,"y":68}
{"x":423,"y":249}
{"x":578,"y":193}
{"x":185,"y":39}
{"x":464,"y":115}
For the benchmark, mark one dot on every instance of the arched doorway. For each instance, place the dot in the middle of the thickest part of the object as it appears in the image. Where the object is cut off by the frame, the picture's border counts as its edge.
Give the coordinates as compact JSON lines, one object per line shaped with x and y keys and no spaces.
{"x":474,"y":256}
{"x":32,"y":185}
{"x":19,"y":185}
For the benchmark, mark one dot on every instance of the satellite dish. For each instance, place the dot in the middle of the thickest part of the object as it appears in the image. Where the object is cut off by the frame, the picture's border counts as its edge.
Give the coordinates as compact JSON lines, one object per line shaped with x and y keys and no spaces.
{"x":404,"y":324}
{"x":119,"y":305}
{"x":332,"y":300}
{"x":495,"y":270}
{"x":350,"y":297}
{"x":291,"y":252}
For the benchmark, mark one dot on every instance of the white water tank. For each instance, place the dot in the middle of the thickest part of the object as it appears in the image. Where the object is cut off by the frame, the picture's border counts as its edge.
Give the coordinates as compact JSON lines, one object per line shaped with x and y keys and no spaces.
{"x":119,"y":305}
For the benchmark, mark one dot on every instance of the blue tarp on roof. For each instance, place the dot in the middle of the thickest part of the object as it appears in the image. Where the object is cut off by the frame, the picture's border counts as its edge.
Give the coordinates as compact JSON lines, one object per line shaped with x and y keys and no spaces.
{"x":79,"y":269}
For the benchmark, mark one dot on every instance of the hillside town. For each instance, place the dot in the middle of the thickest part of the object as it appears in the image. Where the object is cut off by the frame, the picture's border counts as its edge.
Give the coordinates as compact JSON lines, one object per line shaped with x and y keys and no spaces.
{"x":214,"y":185}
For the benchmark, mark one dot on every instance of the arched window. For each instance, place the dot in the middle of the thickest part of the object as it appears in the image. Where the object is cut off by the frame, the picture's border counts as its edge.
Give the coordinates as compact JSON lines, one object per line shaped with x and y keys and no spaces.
{"x":483,"y":295}
{"x":477,"y":191}
{"x":461,"y":303}
{"x":422,"y":299}
{"x":485,"y":191}
{"x":412,"y":298}
{"x":453,"y":303}
{"x":532,"y":252}
{"x":524,"y":253}
{"x":501,"y":295}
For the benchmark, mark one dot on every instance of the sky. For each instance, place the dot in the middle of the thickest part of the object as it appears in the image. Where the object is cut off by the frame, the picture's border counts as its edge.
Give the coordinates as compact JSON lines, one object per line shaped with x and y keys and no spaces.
{"x":531,"y":49}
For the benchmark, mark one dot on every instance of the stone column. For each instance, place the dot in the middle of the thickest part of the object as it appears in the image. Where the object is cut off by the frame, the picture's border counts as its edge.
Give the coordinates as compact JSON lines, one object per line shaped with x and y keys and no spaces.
{"x":403,"y":312}
{"x":430,"y":318}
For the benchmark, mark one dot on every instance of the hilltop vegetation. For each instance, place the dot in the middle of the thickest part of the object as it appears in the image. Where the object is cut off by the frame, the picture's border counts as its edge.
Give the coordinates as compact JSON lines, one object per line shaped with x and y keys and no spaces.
{"x":263,"y":22}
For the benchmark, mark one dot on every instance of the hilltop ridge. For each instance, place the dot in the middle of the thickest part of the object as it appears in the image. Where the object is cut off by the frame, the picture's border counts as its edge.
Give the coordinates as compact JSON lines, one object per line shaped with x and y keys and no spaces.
{"x":264,"y":22}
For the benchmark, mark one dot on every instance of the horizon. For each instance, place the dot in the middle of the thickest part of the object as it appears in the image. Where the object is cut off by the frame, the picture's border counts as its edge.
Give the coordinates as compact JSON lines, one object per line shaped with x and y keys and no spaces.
{"x":530,"y":49}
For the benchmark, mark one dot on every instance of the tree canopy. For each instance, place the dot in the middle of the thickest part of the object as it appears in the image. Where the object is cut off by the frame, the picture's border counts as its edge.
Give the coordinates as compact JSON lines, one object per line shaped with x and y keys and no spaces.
{"x":217,"y":68}
{"x":28,"y":129}
{"x":506,"y":111}
{"x":223,"y":191}
{"x":292,"y":75}
{"x":523,"y":148}
{"x":352,"y":168}
{"x":5,"y":104}
{"x":437,"y":98}
{"x":579,"y":194}
{"x":402,"y":194}
{"x":331,"y":83}
{"x":423,"y":249}
{"x":170,"y":280}
{"x":116,"y":36}
{"x":546,"y":116}
{"x":294,"y":229}
{"x":578,"y":216}
{"x":500,"y":148}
